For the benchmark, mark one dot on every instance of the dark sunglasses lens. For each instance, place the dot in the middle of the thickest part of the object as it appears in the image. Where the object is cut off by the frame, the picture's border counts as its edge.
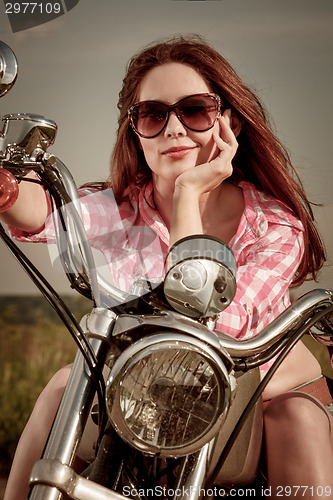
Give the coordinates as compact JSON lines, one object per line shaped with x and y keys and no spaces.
{"x":198,"y":112}
{"x":149,"y":118}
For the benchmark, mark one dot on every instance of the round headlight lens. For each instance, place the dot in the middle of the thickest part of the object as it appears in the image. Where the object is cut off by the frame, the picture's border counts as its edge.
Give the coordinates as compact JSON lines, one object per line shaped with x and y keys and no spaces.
{"x":168,"y":397}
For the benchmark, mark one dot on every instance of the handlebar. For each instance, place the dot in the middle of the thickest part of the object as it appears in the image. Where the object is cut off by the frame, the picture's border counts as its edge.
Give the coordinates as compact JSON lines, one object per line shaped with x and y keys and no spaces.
{"x":296,"y":315}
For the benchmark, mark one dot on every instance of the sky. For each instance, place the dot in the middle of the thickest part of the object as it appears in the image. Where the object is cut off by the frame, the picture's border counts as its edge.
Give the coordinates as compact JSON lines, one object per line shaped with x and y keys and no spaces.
{"x":71,"y":70}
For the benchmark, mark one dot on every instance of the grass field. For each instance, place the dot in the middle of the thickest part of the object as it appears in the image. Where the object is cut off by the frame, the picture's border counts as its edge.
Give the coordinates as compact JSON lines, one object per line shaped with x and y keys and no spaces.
{"x":33,"y":346}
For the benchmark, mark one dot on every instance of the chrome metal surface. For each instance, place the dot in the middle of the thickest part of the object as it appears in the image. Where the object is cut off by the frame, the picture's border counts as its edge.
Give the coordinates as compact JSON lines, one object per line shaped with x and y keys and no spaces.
{"x":98,"y":323}
{"x":322,"y":332}
{"x":322,"y":336}
{"x":173,"y":321}
{"x":73,"y":247}
{"x":299,"y":311}
{"x":201,"y":247}
{"x":71,"y":417}
{"x":51,"y":474}
{"x":157,"y":345}
{"x":8,"y":68}
{"x":193,"y":474}
{"x":201,"y":276}
{"x":27,"y":131}
{"x":78,"y":239}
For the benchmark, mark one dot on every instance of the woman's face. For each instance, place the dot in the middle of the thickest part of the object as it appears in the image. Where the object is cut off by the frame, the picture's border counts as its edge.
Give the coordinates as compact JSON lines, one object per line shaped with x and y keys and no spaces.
{"x":176,"y":149}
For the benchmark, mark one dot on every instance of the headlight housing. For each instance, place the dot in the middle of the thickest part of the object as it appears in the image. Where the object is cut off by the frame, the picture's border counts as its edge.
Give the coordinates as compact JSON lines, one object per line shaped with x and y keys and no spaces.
{"x":168,"y":394}
{"x":200,"y":276}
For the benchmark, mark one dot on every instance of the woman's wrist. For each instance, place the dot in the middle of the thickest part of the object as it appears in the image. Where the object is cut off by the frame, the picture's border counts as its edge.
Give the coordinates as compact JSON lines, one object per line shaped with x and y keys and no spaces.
{"x":186,"y":193}
{"x":186,"y":216}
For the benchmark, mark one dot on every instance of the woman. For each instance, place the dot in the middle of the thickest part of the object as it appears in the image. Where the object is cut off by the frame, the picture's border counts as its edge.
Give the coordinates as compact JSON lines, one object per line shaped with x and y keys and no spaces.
{"x":195,"y":155}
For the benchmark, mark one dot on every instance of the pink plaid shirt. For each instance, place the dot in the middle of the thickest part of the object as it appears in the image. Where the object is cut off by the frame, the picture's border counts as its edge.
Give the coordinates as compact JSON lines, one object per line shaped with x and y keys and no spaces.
{"x":268,"y":246}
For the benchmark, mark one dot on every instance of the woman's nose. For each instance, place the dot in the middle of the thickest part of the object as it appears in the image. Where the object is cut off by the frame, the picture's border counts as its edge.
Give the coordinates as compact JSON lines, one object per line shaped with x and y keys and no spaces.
{"x":174,"y":126}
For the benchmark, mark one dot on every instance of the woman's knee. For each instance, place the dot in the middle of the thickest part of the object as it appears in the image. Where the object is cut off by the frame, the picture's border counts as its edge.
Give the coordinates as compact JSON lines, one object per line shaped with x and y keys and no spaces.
{"x":296,"y":409}
{"x":48,"y":401}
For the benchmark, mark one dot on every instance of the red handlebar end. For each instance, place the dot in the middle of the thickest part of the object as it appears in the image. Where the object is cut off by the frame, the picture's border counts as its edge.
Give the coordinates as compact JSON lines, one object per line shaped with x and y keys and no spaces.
{"x":9,"y":190}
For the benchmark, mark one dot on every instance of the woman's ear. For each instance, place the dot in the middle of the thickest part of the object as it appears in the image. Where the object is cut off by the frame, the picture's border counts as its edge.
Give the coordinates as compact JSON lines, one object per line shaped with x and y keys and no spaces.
{"x":236,"y":123}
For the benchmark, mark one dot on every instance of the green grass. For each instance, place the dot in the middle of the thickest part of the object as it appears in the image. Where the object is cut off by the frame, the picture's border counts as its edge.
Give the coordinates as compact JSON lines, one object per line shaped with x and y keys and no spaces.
{"x":33,"y":346}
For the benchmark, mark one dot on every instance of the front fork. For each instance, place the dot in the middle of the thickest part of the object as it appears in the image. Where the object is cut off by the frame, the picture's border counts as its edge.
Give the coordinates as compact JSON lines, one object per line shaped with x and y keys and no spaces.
{"x":53,"y":475}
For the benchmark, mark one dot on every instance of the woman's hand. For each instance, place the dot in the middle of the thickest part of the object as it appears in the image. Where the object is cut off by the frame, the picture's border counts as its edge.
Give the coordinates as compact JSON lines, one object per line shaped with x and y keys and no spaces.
{"x":207,"y":176}
{"x":195,"y":184}
{"x":31,"y":208}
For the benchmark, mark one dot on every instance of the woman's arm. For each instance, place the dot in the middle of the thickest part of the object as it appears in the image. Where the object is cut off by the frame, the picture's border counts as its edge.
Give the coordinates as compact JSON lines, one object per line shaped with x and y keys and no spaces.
{"x":200,"y":181}
{"x":30,"y":210}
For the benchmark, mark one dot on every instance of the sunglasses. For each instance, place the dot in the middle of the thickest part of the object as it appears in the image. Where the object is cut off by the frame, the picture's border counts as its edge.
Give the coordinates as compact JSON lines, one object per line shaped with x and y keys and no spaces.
{"x":197,"y":112}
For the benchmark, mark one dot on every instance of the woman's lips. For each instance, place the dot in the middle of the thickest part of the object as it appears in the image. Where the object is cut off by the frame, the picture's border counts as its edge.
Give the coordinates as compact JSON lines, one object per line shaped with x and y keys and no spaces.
{"x":179,"y":152}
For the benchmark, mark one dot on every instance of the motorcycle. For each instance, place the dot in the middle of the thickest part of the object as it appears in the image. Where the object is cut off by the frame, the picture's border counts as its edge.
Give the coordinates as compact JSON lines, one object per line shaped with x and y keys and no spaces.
{"x":157,"y":404}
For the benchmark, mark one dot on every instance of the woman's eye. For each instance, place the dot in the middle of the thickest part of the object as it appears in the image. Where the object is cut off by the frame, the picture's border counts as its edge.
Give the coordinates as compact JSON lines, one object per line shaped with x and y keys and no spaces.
{"x":157,"y":116}
{"x":191,"y":110}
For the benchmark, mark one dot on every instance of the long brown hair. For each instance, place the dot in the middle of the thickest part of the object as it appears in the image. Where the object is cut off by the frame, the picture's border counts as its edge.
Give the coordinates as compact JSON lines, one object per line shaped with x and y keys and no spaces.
{"x":261,"y":158}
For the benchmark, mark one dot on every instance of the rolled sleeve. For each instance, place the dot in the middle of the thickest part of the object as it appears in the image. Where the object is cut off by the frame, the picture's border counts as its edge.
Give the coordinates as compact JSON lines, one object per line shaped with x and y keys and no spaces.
{"x":99,"y":212}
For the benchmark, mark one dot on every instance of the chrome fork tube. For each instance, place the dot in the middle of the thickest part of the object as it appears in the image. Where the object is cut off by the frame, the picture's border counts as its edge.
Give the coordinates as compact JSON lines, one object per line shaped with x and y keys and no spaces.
{"x":70,"y":420}
{"x":194,"y":473}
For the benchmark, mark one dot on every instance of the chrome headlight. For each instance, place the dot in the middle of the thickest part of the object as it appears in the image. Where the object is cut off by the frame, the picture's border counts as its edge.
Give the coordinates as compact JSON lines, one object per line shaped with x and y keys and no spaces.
{"x":201,"y":276}
{"x":168,"y":394}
